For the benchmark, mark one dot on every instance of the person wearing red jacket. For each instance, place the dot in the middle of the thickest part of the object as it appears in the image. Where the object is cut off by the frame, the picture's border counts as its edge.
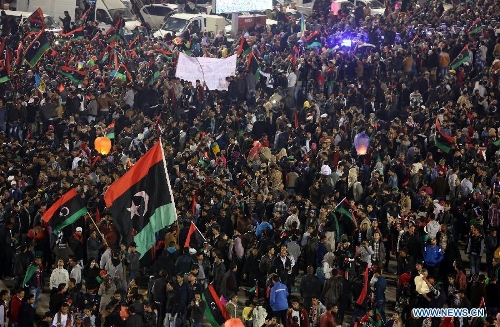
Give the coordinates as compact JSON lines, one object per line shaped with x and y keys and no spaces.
{"x":327,"y":319}
{"x":15,"y":308}
{"x":297,"y":311}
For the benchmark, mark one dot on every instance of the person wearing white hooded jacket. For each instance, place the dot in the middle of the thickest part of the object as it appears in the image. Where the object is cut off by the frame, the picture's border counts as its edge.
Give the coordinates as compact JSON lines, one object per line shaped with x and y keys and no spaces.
{"x":259,"y":315}
{"x":59,"y":275}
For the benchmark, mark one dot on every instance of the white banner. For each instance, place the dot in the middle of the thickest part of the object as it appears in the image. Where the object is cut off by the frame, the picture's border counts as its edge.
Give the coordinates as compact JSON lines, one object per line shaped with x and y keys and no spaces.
{"x":212,"y":71}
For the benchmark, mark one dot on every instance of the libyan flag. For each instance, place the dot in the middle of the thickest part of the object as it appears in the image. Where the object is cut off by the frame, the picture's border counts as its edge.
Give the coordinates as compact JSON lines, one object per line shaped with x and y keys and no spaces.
{"x":141,"y":201}
{"x":442,"y":140}
{"x":109,"y":132}
{"x":215,"y":313}
{"x":65,"y":211}
{"x":37,"y":20}
{"x":344,"y":209}
{"x":76,"y":34}
{"x":74,"y":75}
{"x":198,"y":237}
{"x":37,"y":48}
{"x":462,"y":57}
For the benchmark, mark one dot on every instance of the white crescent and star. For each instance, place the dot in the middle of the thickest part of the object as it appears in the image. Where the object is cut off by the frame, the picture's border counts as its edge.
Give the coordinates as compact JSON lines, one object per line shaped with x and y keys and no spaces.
{"x":64,"y":212}
{"x":36,"y":45}
{"x":134,"y":209}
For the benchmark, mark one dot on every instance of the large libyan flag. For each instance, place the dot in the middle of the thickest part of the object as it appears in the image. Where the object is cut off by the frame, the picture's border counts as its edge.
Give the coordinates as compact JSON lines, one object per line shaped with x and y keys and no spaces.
{"x":65,"y":211}
{"x":141,"y":201}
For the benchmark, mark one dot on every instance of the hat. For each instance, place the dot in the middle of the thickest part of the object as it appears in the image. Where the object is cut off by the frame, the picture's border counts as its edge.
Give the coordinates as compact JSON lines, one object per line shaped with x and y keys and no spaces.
{"x":344,"y":238}
{"x":13,"y":183}
{"x":419,"y":262}
{"x":79,"y":229}
{"x":10,"y":178}
{"x":324,"y":115}
{"x":307,"y":104}
{"x":192,"y":251}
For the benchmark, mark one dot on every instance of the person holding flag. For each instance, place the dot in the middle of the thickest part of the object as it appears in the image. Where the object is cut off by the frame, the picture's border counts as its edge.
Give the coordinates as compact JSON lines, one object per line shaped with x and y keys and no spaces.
{"x":35,"y":278}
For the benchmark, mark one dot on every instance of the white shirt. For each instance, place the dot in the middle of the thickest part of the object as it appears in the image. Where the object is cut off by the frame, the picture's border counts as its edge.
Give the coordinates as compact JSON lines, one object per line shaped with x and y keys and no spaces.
{"x":292,"y":79}
{"x":76,"y":273}
{"x":292,"y":262}
{"x":59,"y":276}
{"x":129,"y":98}
{"x":63,"y":322}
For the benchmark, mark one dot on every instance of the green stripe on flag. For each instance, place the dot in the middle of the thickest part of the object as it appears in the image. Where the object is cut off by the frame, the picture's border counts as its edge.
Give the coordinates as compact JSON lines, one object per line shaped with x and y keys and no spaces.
{"x":460,"y":62}
{"x":110,"y":135}
{"x":74,"y":217}
{"x":441,"y":146}
{"x":477,"y":30}
{"x":43,"y":48}
{"x":348,"y":214}
{"x":208,"y":314}
{"x":497,"y":142}
{"x":337,"y":228}
{"x":162,"y":217}
{"x":4,"y":79}
{"x":70,"y":77}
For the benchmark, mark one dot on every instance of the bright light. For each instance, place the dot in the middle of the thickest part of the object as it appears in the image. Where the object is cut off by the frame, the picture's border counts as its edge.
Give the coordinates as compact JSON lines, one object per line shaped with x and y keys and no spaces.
{"x":346,"y":43}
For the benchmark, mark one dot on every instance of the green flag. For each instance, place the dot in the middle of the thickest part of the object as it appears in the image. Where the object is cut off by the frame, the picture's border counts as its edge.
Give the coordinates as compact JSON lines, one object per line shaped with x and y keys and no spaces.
{"x":29,"y":273}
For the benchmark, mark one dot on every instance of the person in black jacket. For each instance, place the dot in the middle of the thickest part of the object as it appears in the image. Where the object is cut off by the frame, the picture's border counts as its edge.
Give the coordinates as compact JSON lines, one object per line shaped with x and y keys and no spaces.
{"x":113,"y":319}
{"x":149,"y":316}
{"x":198,"y":307}
{"x":57,"y":299}
{"x":28,"y":312}
{"x":181,"y":297}
{"x":171,"y":306}
{"x":159,"y":295}
{"x":134,"y":320}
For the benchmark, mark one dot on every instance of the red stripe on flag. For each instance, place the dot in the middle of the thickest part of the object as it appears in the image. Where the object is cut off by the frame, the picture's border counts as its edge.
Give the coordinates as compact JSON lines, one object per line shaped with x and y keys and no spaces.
{"x":217,"y":302}
{"x":447,"y":137}
{"x":63,"y":199}
{"x":134,"y":175}
{"x":364,"y":291}
{"x":192,"y":230}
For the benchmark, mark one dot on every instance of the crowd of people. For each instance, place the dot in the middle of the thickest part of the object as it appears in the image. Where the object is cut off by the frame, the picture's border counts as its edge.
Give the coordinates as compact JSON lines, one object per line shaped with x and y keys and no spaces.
{"x":294,"y":219}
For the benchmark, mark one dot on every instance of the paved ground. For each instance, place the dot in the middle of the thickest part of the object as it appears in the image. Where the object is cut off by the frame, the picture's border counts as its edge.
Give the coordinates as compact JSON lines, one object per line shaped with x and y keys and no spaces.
{"x":390,"y":293}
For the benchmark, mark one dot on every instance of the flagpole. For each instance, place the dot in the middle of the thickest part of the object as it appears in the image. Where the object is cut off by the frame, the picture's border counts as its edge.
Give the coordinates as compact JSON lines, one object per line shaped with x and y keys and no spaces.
{"x":168,"y":179}
{"x":345,"y":197}
{"x":97,"y":227}
{"x":199,"y":231}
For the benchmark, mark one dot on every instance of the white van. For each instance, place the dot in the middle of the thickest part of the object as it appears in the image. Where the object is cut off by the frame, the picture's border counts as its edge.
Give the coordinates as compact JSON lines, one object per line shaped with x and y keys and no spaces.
{"x":21,"y":18}
{"x":179,"y":23}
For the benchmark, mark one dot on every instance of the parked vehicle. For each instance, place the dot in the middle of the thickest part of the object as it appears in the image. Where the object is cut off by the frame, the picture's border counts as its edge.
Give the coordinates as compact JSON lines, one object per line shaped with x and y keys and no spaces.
{"x":177,"y":24}
{"x":21,"y":18}
{"x":105,"y":11}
